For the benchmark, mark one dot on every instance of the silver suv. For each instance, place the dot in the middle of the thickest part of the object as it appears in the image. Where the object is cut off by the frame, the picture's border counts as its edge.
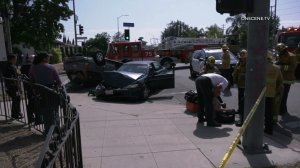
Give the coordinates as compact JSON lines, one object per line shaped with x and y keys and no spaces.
{"x":199,"y":58}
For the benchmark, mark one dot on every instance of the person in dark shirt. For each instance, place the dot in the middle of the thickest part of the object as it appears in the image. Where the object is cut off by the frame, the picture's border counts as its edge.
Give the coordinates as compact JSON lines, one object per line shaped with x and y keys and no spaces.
{"x":43,"y":73}
{"x":12,"y":86}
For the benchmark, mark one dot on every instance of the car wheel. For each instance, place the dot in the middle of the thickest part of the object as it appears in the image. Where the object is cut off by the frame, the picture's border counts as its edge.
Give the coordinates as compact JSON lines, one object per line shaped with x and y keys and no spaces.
{"x":193,"y":74}
{"x":145,"y":93}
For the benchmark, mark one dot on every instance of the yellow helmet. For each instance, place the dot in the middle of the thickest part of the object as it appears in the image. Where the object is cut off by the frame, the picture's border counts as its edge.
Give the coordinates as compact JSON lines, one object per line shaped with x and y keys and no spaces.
{"x":243,"y":53}
{"x":211,"y":60}
{"x":225,"y":47}
{"x":280,"y":47}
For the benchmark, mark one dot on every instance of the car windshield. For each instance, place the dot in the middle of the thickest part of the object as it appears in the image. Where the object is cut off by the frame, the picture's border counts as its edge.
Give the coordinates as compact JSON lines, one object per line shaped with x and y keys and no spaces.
{"x":134,"y":68}
{"x":219,"y":54}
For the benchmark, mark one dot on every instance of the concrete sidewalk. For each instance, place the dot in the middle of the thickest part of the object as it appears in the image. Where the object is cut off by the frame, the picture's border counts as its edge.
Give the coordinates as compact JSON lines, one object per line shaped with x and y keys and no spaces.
{"x":152,"y":135}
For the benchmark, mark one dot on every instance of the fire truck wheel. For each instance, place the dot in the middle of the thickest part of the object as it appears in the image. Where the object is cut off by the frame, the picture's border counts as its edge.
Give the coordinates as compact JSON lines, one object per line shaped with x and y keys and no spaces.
{"x":167,"y":63}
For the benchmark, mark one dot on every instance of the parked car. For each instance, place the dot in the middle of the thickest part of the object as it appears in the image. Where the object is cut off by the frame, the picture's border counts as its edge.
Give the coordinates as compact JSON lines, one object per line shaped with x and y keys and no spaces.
{"x":199,"y":58}
{"x":136,"y":79}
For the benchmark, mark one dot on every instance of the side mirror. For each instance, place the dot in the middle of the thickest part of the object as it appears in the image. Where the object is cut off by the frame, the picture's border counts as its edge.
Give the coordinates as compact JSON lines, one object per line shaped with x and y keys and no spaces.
{"x":99,"y":58}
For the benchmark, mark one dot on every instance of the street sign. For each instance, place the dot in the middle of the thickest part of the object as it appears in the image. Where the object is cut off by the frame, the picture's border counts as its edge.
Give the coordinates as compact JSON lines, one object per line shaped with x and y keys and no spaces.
{"x":128,"y":24}
{"x":81,"y":38}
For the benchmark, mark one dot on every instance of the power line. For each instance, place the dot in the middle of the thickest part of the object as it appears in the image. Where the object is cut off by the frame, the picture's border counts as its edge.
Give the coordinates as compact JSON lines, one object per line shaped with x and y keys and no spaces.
{"x":289,"y":8}
{"x":289,"y":13}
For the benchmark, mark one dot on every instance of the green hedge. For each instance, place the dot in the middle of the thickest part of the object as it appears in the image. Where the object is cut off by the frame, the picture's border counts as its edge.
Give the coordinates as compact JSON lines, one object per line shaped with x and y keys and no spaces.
{"x":56,"y":56}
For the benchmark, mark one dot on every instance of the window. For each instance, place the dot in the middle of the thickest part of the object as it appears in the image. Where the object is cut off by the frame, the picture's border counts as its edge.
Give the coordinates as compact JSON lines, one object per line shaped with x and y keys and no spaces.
{"x":126,"y":48}
{"x":157,"y":66}
{"x":134,"y":48}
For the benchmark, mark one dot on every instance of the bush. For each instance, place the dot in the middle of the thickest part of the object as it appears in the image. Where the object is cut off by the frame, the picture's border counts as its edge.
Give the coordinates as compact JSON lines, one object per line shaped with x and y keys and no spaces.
{"x":56,"y":56}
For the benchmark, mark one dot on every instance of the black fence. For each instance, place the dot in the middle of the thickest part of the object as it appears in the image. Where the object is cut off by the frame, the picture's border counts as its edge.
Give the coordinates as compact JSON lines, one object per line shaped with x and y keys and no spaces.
{"x":47,"y":111}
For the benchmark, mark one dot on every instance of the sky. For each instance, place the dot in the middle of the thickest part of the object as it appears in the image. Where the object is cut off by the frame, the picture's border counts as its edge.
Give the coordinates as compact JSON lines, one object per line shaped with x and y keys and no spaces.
{"x":150,"y":17}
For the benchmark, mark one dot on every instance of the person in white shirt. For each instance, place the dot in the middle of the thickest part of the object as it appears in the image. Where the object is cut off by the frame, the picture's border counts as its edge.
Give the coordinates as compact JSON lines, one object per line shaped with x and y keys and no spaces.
{"x":206,"y":86}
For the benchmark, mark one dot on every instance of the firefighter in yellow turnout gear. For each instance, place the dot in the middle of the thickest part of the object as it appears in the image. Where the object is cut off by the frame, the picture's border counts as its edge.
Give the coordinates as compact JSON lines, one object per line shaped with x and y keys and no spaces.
{"x":239,"y":77}
{"x":226,"y":72}
{"x":287,"y":62}
{"x":210,"y":66}
{"x":274,"y":84}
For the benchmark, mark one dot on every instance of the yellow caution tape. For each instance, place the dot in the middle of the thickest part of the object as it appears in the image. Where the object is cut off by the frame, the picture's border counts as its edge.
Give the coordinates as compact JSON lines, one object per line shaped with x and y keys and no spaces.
{"x":242,"y":129}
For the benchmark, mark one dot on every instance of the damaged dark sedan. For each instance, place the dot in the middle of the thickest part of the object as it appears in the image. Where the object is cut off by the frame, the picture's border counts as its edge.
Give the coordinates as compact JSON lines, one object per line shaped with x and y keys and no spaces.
{"x":136,"y":79}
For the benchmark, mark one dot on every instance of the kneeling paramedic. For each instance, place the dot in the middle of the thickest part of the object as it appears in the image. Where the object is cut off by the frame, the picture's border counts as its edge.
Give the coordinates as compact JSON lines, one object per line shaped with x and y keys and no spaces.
{"x":206,"y":86}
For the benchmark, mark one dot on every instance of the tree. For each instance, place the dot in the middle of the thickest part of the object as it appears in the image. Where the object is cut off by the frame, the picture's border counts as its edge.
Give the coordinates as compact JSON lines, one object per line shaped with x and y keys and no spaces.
{"x":100,"y":42}
{"x":116,"y":37}
{"x":238,"y":30}
{"x":38,"y":25}
{"x":180,"y":29}
{"x":214,"y":31}
{"x":273,"y":28}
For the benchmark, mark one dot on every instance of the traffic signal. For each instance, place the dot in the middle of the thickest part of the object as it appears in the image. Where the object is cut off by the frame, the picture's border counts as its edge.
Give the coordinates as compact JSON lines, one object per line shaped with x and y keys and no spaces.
{"x":234,"y":7}
{"x":80,"y":29}
{"x":127,"y":35}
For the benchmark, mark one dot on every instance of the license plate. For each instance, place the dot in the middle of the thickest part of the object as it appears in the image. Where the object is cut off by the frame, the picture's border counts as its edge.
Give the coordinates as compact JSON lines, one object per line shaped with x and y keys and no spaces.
{"x":109,"y":92}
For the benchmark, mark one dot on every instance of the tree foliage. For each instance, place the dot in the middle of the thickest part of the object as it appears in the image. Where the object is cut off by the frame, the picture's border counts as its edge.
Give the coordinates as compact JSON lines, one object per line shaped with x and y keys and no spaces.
{"x":118,"y":36}
{"x":239,"y":29}
{"x":38,"y":23}
{"x":180,"y":29}
{"x":100,"y":42}
{"x":214,"y":31}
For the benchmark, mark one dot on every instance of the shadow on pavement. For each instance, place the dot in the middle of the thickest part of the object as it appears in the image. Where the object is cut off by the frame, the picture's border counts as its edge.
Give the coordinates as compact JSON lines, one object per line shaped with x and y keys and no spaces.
{"x":118,"y":100}
{"x":258,"y":160}
{"x":291,"y":123}
{"x":73,"y":88}
{"x":211,"y":132}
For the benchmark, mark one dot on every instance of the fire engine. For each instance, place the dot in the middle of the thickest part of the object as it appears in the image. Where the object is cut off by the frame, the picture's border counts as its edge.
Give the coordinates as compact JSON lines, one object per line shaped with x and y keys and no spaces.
{"x":172,"y":49}
{"x":180,"y":49}
{"x":129,"y":51}
{"x":291,"y":37}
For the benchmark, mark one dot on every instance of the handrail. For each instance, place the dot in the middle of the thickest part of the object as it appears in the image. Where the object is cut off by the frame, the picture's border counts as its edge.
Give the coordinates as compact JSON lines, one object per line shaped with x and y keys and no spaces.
{"x":63,"y":143}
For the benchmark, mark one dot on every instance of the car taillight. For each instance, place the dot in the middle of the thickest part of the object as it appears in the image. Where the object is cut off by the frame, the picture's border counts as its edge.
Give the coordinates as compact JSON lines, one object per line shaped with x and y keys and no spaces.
{"x":86,"y":66}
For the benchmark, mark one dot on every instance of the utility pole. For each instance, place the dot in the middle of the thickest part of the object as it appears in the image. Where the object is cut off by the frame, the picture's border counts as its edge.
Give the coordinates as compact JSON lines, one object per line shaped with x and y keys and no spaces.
{"x":257,"y":45}
{"x":75,"y":23}
{"x":275,"y":17}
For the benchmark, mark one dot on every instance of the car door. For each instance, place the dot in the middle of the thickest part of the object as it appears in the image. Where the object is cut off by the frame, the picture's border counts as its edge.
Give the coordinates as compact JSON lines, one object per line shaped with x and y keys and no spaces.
{"x":160,"y":78}
{"x":198,"y":61}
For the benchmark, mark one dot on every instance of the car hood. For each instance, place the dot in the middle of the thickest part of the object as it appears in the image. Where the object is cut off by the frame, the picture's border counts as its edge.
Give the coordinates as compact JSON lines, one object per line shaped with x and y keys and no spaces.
{"x":115,"y":79}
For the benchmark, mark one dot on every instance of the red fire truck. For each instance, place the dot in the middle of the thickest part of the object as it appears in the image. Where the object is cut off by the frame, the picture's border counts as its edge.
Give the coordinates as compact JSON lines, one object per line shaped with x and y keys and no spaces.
{"x":129,"y":51}
{"x":290,"y":37}
{"x":172,"y":49}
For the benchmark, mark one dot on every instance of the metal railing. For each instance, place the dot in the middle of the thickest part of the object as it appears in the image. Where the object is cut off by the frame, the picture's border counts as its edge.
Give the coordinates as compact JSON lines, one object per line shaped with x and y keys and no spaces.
{"x":62,"y":147}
